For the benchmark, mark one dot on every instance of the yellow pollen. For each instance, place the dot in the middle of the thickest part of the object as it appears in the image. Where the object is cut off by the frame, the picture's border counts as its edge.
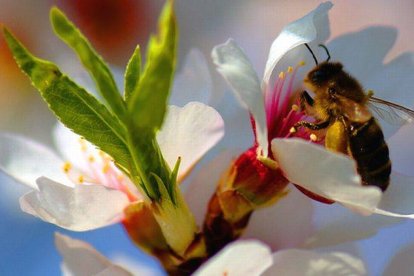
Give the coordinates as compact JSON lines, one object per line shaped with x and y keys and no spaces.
{"x":281,"y":75}
{"x":292,"y":130}
{"x":290,"y":69}
{"x":81,"y":179}
{"x":105,"y":168}
{"x":82,"y":144}
{"x":295,"y":107}
{"x":302,"y":63}
{"x":66,"y":167}
{"x":313,"y":137}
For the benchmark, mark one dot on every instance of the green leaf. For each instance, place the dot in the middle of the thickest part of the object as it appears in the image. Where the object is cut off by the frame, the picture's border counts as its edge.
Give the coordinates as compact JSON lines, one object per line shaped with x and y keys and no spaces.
{"x":97,"y":68}
{"x":74,"y":107}
{"x":132,"y":73}
{"x":173,"y":181}
{"x":148,"y":161}
{"x":148,"y":103}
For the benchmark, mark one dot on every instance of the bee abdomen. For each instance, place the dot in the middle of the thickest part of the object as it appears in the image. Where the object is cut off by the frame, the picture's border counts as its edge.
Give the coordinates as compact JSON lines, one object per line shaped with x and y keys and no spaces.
{"x":371,"y":154}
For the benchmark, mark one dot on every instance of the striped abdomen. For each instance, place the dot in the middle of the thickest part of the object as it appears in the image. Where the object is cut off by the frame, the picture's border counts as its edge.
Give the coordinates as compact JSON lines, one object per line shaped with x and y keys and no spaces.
{"x":370,"y":152}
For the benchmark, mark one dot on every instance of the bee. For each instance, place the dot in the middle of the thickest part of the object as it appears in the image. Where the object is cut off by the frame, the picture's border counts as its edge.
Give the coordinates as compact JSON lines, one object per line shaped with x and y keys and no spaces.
{"x":342,"y":108}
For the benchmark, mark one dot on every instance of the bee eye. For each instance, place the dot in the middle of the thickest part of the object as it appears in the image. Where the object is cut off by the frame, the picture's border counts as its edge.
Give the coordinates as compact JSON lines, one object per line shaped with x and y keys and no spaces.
{"x":331,"y":90}
{"x":318,"y":76}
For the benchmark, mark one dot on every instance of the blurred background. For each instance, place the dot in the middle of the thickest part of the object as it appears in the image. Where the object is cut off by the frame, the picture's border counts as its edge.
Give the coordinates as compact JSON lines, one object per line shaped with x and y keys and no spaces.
{"x":115,"y":27}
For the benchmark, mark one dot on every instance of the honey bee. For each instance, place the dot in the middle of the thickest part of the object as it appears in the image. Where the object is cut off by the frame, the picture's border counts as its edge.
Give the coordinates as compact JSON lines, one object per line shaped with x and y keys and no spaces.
{"x":342,"y":108}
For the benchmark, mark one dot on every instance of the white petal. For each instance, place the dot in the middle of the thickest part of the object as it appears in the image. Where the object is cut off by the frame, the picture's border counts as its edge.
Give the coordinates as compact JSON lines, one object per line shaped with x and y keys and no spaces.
{"x":401,"y":150}
{"x":294,"y":262}
{"x":81,"y":259}
{"x":277,"y":225}
{"x":69,"y":146}
{"x":193,"y":82}
{"x":189,"y":132}
{"x":397,"y":200}
{"x":79,"y":208}
{"x":362,"y":53}
{"x":238,"y":258}
{"x":402,"y":263}
{"x":330,"y":221}
{"x":26,"y":160}
{"x":325,"y":173}
{"x":301,"y":31}
{"x":391,"y":82}
{"x":233,"y":64}
{"x":204,"y":184}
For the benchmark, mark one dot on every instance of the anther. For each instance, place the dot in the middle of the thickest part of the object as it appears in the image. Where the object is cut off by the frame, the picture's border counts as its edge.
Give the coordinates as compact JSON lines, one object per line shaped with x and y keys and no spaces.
{"x":295,"y":107}
{"x":105,"y":168}
{"x":66,"y":167}
{"x":290,"y":69}
{"x":313,"y":137}
{"x":81,"y":179}
{"x":91,"y":158}
{"x":292,"y":130}
{"x":302,"y":63}
{"x":281,"y":75}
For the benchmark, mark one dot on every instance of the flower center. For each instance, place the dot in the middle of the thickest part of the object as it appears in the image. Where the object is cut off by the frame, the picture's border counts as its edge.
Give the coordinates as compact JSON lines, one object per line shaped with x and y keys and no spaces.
{"x":282,"y":106}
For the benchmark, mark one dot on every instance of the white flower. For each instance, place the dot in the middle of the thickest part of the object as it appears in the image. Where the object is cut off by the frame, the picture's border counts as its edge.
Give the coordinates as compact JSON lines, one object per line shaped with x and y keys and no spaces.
{"x":80,"y":188}
{"x":241,"y":258}
{"x":327,"y":174}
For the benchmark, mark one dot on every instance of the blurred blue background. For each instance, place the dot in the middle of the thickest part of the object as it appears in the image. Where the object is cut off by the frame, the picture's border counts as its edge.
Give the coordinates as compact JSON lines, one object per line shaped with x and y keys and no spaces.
{"x":115,"y":27}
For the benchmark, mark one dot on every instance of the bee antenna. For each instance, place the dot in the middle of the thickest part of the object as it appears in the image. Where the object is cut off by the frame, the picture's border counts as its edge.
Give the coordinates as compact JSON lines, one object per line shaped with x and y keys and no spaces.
{"x":313,"y":55}
{"x":326,"y":50}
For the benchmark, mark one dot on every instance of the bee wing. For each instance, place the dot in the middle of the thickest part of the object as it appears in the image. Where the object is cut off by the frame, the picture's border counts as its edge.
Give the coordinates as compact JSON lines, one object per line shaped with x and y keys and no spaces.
{"x":355,"y":112}
{"x":390,"y":112}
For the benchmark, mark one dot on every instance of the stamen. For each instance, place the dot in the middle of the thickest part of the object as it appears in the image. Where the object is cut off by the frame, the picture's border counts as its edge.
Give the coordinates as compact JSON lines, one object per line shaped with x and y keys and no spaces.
{"x":66,"y":167}
{"x":270,"y":163}
{"x":105,"y":168}
{"x":91,"y":158}
{"x":83,"y":144}
{"x":290,"y":69}
{"x":81,"y":179}
{"x":302,"y":63}
{"x":313,"y":137}
{"x":292,"y":130}
{"x":295,"y":107}
{"x":281,"y":75}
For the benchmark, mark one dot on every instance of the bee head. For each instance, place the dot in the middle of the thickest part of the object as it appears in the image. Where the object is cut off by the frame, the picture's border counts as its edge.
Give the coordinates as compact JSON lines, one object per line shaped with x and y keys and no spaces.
{"x":323,"y":73}
{"x":328,"y":79}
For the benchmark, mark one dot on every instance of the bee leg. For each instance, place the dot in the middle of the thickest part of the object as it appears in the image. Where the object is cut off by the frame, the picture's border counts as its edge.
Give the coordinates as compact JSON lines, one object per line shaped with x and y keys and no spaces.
{"x":309,"y":125}
{"x":305,"y":100}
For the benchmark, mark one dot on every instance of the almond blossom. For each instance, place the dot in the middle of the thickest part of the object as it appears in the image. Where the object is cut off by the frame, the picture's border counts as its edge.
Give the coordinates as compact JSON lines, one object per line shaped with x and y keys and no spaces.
{"x":326,"y":174}
{"x":80,"y":188}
